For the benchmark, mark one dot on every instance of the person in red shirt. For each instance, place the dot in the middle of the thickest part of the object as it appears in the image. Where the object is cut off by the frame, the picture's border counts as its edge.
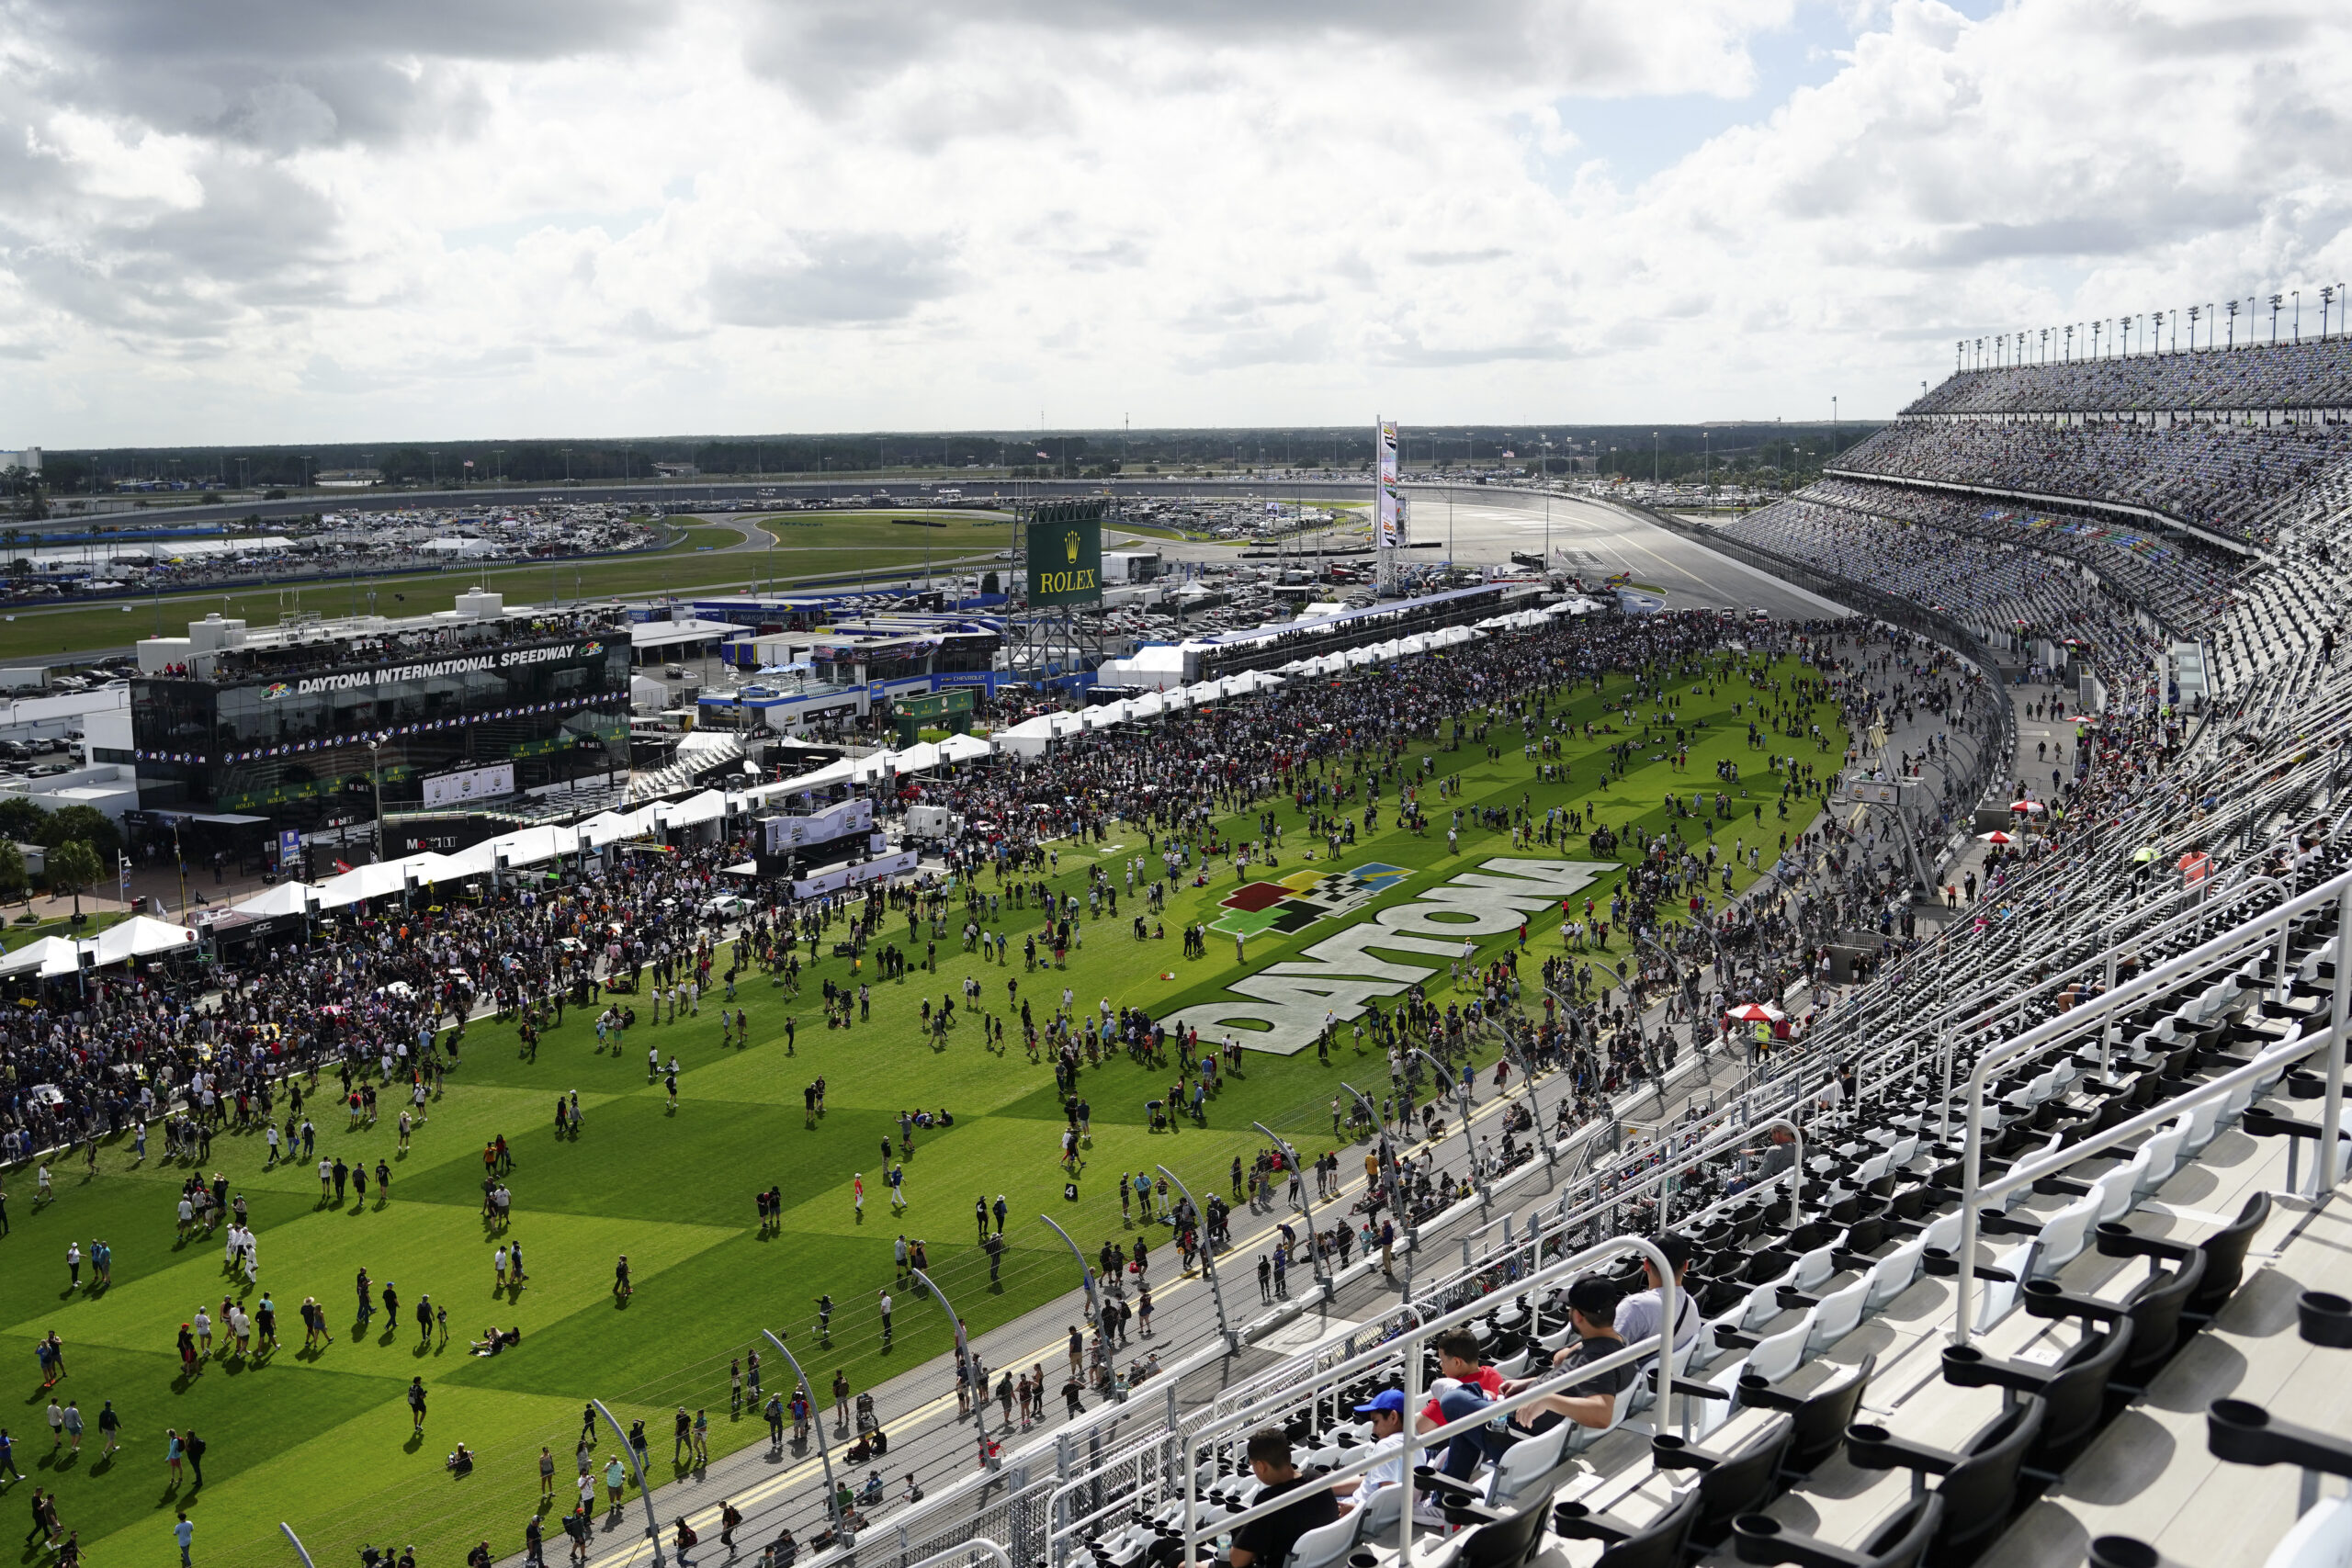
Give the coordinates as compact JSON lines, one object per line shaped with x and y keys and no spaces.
{"x":1464,"y":1385}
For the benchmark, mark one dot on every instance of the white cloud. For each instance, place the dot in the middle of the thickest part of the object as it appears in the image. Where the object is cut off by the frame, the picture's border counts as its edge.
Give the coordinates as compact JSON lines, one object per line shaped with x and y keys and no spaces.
{"x":738,"y":215}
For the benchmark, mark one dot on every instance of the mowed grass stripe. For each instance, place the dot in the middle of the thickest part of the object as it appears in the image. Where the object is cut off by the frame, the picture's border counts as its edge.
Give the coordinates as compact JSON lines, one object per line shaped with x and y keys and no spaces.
{"x":675,"y":1190}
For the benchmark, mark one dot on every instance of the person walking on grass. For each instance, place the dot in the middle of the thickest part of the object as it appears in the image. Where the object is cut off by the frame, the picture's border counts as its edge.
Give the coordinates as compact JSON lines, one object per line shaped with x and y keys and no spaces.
{"x":416,"y":1405}
{"x":184,"y":1532}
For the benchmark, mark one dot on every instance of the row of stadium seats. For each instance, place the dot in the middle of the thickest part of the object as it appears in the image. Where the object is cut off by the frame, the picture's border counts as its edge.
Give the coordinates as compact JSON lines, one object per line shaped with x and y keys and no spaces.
{"x":2314,"y":375}
{"x":1822,"y":1390}
{"x":2180,"y":584}
{"x":1993,"y":587}
{"x":2228,"y":478}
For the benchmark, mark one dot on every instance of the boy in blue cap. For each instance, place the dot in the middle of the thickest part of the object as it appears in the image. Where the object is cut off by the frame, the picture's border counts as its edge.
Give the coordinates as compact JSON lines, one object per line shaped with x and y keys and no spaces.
{"x":1386,"y":1411}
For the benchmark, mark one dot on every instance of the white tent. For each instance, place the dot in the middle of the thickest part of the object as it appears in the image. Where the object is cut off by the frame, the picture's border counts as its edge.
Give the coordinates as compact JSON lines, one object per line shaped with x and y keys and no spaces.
{"x":478,"y":861}
{"x":919,"y":759}
{"x":1028,"y":738}
{"x":286,"y":898}
{"x":429,"y":868}
{"x":831,"y":774}
{"x":707,"y":806}
{"x":39,"y":956}
{"x":611,"y":827}
{"x":533,"y":846}
{"x":1151,"y":704}
{"x":1105,"y":715}
{"x":965,"y":748}
{"x":365,"y":882}
{"x":1257,"y":680}
{"x":139,"y":936}
{"x":880,"y":765}
{"x":1453,"y":636}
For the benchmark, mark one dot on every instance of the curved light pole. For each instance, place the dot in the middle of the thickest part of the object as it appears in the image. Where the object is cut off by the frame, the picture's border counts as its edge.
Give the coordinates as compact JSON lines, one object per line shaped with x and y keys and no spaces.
{"x":299,"y":1551}
{"x":816,"y":1420}
{"x":963,"y":1346}
{"x":1208,"y":1261}
{"x":644,"y":1490}
{"x":1306,"y":1215}
{"x":1534,"y":1106}
{"x":1388,"y":1161}
{"x":1454,"y":1082}
{"x":1085,"y":1271}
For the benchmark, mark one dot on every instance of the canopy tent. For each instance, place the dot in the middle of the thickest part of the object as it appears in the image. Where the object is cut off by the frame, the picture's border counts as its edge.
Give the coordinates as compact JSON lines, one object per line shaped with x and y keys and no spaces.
{"x":1452,"y":636}
{"x":364,"y":882}
{"x":139,"y":936}
{"x":919,"y":759}
{"x":880,"y":765}
{"x":1104,"y":715}
{"x":429,"y":868}
{"x":708,"y":806}
{"x":50,"y":955}
{"x":964,"y":749}
{"x":286,"y":898}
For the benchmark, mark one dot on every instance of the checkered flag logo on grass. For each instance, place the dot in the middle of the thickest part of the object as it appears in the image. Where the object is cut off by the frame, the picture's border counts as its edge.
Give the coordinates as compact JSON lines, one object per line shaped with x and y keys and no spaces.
{"x":1295,"y":902}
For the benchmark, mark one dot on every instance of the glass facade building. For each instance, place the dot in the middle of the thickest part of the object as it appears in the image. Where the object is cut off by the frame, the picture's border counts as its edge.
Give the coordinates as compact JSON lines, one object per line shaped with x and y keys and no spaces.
{"x":292,"y":732}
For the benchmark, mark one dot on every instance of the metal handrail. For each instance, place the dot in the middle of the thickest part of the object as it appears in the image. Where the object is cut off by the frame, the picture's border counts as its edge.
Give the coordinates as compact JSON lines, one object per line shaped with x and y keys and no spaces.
{"x":1409,"y":1344}
{"x":2229,"y":946}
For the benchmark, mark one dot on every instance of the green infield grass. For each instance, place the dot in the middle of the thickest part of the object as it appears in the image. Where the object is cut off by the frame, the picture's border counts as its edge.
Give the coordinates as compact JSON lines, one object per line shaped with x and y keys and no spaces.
{"x":693,"y":562}
{"x":323,"y":1438}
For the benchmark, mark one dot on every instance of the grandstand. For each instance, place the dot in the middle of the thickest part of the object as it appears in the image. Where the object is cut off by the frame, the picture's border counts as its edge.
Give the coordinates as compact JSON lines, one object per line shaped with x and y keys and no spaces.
{"x":2017,"y":1289}
{"x":2294,"y":380}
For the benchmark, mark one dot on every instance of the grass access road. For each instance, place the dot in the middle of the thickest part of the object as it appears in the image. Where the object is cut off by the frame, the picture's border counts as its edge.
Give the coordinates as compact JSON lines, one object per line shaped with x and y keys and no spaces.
{"x":324,"y":1437}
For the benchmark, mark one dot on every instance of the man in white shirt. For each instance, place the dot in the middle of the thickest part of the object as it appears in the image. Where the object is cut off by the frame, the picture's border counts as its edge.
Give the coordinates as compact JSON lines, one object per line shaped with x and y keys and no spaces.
{"x":1637,"y":1315}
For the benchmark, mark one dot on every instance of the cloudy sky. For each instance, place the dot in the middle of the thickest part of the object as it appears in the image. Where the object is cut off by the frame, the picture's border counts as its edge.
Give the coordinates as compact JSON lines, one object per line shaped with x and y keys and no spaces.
{"x":284,"y":221}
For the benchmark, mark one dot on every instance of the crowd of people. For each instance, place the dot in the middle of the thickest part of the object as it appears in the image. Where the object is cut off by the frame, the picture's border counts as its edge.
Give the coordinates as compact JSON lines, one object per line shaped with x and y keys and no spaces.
{"x":2314,"y":373}
{"x":2224,"y":476}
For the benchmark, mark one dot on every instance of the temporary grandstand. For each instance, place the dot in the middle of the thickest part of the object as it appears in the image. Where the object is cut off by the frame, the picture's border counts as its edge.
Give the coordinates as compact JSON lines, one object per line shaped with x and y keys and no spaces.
{"x":2035,"y":1253}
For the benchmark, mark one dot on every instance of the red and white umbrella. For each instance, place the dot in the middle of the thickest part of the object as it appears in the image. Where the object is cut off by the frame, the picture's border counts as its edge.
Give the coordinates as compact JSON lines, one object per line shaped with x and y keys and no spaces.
{"x":1757,"y":1013}
{"x":1997,"y":837}
{"x":2029,"y":807}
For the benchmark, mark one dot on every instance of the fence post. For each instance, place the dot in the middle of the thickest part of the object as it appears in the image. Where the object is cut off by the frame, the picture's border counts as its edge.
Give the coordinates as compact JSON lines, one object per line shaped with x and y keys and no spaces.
{"x":1055,"y":1519}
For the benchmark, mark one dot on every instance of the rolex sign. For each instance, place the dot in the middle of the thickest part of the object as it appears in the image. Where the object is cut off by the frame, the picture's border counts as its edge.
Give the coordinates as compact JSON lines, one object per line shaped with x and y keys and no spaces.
{"x":1065,"y":555}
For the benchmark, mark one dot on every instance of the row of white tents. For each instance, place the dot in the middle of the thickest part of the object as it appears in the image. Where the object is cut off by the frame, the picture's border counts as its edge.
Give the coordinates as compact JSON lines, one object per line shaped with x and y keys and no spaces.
{"x":517,"y":851}
{"x":537,"y":846}
{"x":138,"y":937}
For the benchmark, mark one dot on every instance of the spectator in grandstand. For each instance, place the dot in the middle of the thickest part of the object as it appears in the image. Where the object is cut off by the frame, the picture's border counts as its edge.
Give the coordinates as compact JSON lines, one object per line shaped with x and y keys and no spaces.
{"x":1465,"y":1386}
{"x":1385,"y":1411}
{"x":1268,"y":1540}
{"x":1637,"y":1315}
{"x":1591,"y":1401}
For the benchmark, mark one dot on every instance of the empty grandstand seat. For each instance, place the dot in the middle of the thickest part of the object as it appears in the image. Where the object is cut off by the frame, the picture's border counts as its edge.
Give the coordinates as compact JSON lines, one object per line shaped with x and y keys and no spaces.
{"x":1901,"y":1542}
{"x":1658,"y":1544}
{"x":1979,"y":1484}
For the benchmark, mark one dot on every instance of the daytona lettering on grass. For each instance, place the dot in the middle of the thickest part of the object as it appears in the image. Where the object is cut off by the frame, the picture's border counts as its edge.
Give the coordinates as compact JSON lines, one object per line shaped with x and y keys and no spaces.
{"x":1282,"y":1008}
